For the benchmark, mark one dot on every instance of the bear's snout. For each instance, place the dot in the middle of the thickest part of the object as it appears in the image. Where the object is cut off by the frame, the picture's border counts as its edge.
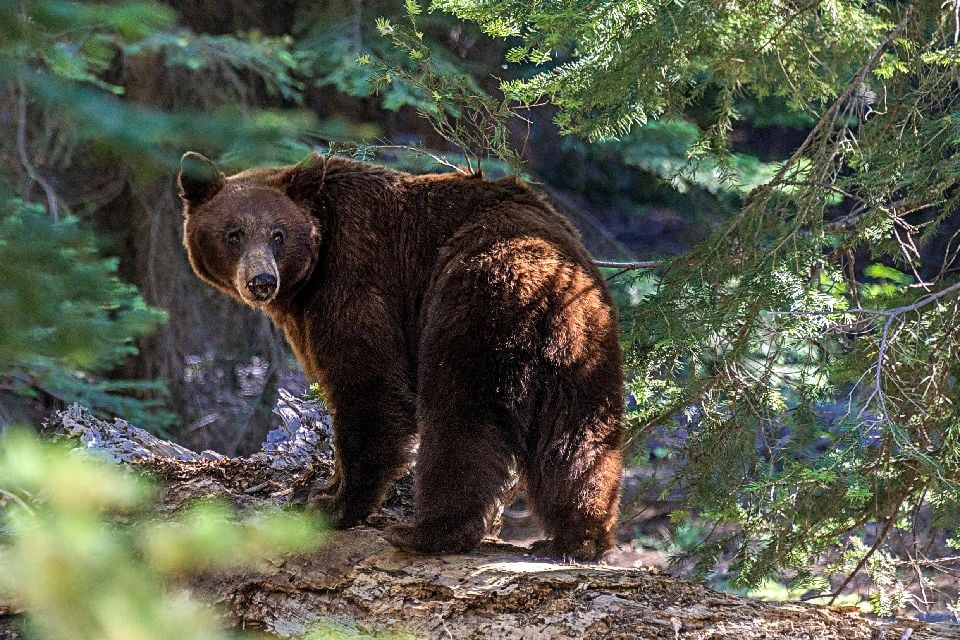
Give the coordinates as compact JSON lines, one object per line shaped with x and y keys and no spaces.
{"x":262,"y":286}
{"x":257,"y":279}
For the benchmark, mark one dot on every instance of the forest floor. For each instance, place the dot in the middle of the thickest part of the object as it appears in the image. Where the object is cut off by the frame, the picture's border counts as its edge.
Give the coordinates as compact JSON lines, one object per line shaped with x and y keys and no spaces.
{"x":359,"y":582}
{"x":927,"y":569}
{"x":646,"y":538}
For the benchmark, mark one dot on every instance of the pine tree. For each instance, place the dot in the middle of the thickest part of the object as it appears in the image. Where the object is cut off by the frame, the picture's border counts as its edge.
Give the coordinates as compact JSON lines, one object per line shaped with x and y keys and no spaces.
{"x":809,"y":350}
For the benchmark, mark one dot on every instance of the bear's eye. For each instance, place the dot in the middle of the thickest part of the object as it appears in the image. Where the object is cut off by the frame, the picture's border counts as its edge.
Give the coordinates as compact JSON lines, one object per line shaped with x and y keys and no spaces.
{"x":234,"y":235}
{"x":278,"y":237}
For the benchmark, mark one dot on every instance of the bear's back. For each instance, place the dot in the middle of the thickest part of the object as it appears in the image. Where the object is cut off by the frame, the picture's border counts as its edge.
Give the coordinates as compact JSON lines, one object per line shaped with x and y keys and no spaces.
{"x":462,"y":205}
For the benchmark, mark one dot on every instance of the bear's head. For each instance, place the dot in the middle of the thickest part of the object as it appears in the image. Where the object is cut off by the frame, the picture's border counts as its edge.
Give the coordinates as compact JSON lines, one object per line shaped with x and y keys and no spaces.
{"x":245,"y":234}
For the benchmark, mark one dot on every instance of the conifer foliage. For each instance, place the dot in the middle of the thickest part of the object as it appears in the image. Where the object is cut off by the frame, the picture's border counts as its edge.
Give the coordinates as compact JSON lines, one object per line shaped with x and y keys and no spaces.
{"x":809,"y":351}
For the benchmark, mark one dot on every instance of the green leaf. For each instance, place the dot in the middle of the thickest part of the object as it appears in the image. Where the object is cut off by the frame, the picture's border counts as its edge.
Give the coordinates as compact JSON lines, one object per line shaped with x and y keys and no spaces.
{"x":883,"y":272}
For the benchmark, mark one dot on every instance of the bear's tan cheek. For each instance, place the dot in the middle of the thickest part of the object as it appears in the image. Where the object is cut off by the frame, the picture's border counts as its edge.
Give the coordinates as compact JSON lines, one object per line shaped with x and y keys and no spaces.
{"x":297,"y":259}
{"x":211,"y":261}
{"x":308,"y":258}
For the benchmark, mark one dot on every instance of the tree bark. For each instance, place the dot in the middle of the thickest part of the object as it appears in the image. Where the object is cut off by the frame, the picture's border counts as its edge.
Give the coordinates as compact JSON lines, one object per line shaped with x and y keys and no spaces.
{"x":360,"y":582}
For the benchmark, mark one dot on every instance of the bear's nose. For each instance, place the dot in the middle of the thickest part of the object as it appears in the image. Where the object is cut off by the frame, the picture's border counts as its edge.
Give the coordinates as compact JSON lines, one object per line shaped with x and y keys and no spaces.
{"x":262,"y":286}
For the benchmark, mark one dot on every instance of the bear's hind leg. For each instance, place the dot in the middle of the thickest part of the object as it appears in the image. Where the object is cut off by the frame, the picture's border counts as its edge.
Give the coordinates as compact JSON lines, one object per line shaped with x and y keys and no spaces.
{"x":463,"y":470}
{"x":574,"y":489}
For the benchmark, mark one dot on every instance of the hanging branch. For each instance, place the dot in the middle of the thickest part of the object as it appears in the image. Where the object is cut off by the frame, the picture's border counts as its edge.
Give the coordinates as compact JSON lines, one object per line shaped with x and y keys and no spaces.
{"x":53,"y":200}
{"x":629,"y":266}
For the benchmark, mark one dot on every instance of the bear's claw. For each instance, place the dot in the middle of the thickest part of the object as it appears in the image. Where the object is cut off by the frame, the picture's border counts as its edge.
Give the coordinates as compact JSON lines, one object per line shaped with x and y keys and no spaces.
{"x":338,"y":512}
{"x":585,"y":550}
{"x":429,"y":540}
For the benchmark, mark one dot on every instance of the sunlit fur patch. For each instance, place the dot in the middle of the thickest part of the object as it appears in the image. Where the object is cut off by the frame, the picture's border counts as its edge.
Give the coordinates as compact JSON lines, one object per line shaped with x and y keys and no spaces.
{"x":554,"y":294}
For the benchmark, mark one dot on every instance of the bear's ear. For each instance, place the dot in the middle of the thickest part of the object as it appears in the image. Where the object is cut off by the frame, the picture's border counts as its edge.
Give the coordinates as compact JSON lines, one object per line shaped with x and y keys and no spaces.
{"x":306,"y":179}
{"x":311,"y":162}
{"x":199,"y":178}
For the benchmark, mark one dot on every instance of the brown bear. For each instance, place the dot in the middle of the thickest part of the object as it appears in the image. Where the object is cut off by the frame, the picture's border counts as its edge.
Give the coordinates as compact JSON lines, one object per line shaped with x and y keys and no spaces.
{"x":453,"y":308}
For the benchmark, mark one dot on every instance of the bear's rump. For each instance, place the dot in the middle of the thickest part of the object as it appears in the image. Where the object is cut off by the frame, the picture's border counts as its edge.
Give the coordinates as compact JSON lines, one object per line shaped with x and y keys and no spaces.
{"x":522,"y":330}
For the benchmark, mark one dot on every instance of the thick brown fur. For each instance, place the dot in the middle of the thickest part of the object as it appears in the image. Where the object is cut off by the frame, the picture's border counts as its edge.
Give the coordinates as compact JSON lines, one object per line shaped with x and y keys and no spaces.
{"x":462,"y":310}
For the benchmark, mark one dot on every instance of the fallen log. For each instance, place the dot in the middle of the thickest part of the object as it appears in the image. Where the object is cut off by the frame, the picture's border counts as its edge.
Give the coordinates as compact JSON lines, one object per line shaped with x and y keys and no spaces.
{"x":499,"y":592}
{"x":359,"y":582}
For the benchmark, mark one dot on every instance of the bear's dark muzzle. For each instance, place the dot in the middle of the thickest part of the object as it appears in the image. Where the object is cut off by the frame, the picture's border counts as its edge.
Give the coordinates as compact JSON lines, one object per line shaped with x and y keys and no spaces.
{"x":262,"y":287}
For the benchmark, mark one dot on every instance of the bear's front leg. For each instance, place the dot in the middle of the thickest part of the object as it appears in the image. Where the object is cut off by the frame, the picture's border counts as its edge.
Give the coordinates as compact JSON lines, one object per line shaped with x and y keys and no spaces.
{"x":373,"y":429}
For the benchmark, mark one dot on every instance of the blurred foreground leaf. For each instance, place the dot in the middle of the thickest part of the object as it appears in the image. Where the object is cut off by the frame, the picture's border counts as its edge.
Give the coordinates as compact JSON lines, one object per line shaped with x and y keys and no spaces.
{"x":87,"y":568}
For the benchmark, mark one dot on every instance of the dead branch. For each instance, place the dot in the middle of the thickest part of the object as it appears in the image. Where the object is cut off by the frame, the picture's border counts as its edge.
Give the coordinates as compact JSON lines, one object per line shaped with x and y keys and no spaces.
{"x":53,"y":200}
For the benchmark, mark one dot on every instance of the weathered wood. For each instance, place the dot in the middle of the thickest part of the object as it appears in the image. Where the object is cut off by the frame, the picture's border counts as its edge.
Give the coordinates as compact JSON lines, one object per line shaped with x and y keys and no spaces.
{"x":497,"y":592}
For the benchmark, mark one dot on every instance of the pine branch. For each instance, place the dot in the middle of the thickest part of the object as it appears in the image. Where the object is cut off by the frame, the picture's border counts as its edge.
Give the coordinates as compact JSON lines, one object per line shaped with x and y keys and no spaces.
{"x":53,"y":200}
